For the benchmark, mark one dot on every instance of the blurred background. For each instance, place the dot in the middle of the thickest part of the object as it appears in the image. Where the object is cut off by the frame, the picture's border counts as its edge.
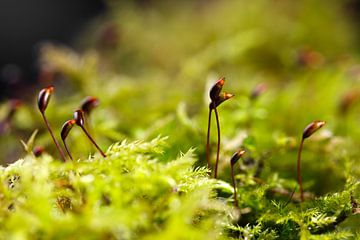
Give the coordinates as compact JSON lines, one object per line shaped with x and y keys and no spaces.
{"x":26,"y":24}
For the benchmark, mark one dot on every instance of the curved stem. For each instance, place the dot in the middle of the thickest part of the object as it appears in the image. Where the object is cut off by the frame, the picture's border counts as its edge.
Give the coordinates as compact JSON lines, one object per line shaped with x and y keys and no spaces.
{"x":208,"y":140}
{"x":93,"y":141}
{"x":218,"y":141}
{"x":299,"y":170}
{"x":67,"y":150}
{"x":53,"y":137}
{"x":291,"y":197}
{"x":234,"y":185}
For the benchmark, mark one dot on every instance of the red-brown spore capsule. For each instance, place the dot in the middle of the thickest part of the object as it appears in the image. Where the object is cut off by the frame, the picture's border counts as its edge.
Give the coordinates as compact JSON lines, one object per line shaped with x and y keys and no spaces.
{"x":44,"y":98}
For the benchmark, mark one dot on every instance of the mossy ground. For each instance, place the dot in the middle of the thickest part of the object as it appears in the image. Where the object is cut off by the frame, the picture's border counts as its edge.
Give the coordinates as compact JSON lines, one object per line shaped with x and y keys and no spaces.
{"x":151,"y":68}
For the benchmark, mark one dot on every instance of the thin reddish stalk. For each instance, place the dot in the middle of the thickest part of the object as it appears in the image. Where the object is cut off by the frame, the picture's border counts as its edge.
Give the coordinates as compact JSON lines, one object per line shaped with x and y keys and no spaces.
{"x":54,"y":139}
{"x":208,"y":140}
{"x":218,"y":142}
{"x":291,"y":197}
{"x":93,"y":141}
{"x":67,"y":150}
{"x":234,"y":185}
{"x":299,"y":170}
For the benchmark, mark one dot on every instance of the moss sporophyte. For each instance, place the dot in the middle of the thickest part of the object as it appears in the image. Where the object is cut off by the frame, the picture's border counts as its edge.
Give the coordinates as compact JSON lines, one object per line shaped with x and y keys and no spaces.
{"x":309,"y":130}
{"x":216,"y":98}
{"x":253,"y":203}
{"x":67,"y":126}
{"x":234,"y":159}
{"x":87,"y":105}
{"x":14,"y":105}
{"x":80,"y":121}
{"x":43,"y":101}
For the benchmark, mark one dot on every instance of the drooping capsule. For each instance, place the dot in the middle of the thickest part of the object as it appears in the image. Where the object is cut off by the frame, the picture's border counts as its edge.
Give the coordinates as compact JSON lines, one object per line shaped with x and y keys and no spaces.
{"x":311,"y":128}
{"x":14,"y":104}
{"x":88,"y":104}
{"x":79,"y":118}
{"x":258,"y":90}
{"x":38,"y":151}
{"x":67,"y":126}
{"x":44,"y":98}
{"x":222,"y":98}
{"x":80,"y":121}
{"x":216,"y":89}
{"x":236,"y":157}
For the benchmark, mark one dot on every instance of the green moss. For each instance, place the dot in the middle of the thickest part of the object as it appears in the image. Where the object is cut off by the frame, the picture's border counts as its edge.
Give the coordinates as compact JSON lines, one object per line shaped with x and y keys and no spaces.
{"x":128,"y":195}
{"x":154,"y":80}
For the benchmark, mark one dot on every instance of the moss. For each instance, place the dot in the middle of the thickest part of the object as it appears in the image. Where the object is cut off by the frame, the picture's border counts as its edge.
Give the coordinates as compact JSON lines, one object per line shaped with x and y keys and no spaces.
{"x":154,"y":79}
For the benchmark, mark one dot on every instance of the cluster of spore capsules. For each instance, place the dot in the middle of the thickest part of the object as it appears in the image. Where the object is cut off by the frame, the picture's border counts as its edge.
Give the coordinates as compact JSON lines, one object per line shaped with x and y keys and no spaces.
{"x":79,"y":119}
{"x":217,"y":97}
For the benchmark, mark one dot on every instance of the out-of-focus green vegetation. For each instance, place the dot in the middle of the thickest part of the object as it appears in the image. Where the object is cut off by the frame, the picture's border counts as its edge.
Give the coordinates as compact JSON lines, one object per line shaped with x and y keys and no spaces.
{"x":151,"y":64}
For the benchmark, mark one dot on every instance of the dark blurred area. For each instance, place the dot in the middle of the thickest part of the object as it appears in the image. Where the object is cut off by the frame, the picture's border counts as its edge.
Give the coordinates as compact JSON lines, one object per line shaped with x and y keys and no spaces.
{"x":25,"y":24}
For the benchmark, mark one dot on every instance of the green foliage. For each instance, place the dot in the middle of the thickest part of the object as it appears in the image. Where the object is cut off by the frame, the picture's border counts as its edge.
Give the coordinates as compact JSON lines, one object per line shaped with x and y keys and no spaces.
{"x":152,"y":75}
{"x":128,"y":195}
